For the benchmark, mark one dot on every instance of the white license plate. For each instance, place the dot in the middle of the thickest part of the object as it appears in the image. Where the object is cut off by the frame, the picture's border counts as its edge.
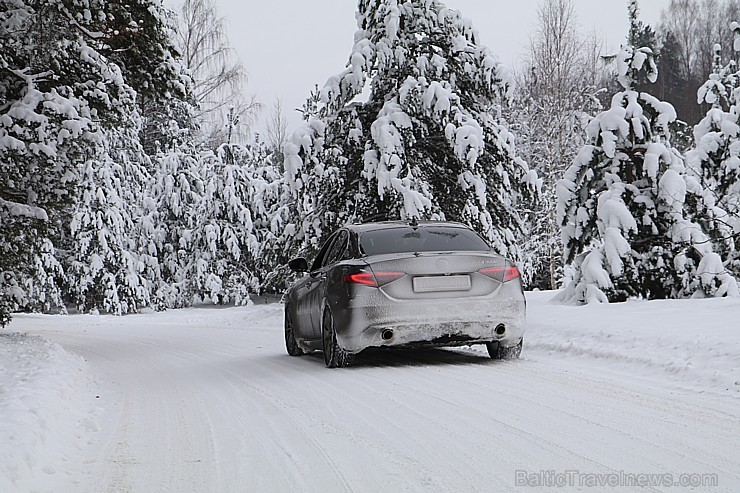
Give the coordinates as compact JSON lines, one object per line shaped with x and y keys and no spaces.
{"x":441,"y":283}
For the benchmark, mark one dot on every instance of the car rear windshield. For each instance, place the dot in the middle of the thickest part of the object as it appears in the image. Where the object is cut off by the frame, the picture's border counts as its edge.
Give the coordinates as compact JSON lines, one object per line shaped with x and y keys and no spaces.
{"x":421,"y":239}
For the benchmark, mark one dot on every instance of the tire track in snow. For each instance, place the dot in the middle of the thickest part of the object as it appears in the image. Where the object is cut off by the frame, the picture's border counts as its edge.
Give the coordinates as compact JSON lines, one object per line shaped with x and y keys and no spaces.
{"x":278,"y":408}
{"x":538,"y":402}
{"x":338,"y":406}
{"x":523,"y":370}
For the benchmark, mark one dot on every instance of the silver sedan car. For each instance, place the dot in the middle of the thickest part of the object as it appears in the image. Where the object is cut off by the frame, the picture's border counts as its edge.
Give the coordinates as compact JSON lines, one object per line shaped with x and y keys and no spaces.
{"x":401,"y":284}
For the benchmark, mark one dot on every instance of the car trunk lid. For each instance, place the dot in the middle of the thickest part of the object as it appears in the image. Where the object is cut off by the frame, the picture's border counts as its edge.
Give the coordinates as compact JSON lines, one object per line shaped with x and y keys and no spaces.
{"x":440,"y":274}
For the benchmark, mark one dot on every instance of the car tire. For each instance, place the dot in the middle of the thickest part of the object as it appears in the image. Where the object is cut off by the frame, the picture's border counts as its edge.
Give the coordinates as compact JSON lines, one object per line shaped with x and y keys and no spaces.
{"x":291,"y":345}
{"x":334,"y":355}
{"x":496,"y":351}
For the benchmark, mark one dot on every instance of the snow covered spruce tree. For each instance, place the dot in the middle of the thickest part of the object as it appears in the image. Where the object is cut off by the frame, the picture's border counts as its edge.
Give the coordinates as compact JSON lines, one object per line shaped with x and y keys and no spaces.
{"x":73,"y":168}
{"x":428,"y":142}
{"x":270,"y":211}
{"x":223,"y":244}
{"x":53,"y":88}
{"x":176,"y":190}
{"x":716,"y":158}
{"x":112,"y":264}
{"x":105,"y":268}
{"x":205,"y":239}
{"x":625,"y":203}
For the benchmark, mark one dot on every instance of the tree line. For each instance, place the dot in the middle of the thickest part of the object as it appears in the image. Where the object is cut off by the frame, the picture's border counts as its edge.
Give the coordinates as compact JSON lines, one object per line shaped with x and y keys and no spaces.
{"x":128,"y":178}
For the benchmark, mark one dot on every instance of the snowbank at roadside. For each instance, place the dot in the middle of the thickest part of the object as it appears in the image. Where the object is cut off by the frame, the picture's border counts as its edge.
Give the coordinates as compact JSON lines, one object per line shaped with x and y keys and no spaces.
{"x":693,"y":342}
{"x":43,"y":416}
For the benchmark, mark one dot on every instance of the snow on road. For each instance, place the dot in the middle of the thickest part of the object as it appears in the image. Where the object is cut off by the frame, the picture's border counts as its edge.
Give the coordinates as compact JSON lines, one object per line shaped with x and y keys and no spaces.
{"x":206,"y":399}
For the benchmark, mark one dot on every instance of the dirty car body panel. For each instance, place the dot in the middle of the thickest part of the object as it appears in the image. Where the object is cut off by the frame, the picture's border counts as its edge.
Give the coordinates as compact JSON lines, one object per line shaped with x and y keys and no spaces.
{"x":396,"y":284}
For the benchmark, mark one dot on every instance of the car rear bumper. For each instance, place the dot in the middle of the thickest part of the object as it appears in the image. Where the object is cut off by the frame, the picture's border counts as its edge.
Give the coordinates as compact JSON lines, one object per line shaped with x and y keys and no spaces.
{"x":373,"y":320}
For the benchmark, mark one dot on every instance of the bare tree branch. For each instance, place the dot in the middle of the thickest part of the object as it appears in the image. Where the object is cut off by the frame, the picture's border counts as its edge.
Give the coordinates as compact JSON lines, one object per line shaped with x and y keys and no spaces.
{"x":218,"y":76}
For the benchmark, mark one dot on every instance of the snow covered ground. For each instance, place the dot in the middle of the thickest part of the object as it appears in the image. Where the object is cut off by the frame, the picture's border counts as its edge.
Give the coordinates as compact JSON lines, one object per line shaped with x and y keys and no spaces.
{"x":47,"y":414}
{"x":206,"y":400}
{"x":691,"y":343}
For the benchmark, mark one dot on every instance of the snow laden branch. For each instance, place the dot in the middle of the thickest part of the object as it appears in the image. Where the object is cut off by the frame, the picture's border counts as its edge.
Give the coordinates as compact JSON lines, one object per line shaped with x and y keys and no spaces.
{"x":23,"y":210}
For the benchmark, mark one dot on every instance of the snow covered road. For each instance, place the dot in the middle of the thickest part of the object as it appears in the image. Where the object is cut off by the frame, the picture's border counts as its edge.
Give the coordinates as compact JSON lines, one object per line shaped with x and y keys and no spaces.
{"x":207,"y":400}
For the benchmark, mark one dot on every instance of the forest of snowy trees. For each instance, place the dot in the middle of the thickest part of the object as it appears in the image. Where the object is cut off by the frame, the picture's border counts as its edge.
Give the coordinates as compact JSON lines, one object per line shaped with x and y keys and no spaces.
{"x":129,"y":177}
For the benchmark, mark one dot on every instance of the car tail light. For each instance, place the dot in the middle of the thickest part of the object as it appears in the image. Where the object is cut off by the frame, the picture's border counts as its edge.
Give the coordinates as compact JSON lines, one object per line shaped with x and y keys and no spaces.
{"x":365,"y":278}
{"x":501,"y":274}
{"x":369,"y":279}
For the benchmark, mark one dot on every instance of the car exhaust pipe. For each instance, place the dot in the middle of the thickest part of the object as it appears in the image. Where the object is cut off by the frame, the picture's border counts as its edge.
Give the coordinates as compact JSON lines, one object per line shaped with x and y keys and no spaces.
{"x":387,"y":335}
{"x":500,"y":330}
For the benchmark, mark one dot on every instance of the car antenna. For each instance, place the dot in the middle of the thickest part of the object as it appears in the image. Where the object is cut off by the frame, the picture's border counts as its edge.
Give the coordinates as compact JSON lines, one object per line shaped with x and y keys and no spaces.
{"x":414,"y":223}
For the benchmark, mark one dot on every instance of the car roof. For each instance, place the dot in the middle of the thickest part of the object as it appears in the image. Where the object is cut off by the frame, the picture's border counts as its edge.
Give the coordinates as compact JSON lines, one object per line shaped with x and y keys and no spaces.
{"x":364,"y":227}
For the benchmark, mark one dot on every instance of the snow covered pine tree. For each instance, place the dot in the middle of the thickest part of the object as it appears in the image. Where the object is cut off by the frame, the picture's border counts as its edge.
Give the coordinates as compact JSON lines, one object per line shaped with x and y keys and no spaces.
{"x":716,"y":157}
{"x":428,"y":142}
{"x":52,"y":85}
{"x":223,"y":243}
{"x":111,"y":264}
{"x":73,"y":169}
{"x":202,"y":225}
{"x":625,"y":204}
{"x":175,"y":191}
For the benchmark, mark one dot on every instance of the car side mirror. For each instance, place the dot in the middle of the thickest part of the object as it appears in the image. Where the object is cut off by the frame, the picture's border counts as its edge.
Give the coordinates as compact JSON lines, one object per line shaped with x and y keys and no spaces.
{"x":298,"y":265}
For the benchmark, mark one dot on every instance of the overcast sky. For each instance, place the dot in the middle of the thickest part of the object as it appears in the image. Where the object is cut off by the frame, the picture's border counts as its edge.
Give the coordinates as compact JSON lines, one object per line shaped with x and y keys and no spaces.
{"x":287,"y":46}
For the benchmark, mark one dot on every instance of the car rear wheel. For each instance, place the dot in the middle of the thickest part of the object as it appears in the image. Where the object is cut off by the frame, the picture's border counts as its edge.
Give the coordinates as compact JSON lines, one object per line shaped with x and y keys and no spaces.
{"x":290,"y":343}
{"x":496,"y":351}
{"x":334,"y":355}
